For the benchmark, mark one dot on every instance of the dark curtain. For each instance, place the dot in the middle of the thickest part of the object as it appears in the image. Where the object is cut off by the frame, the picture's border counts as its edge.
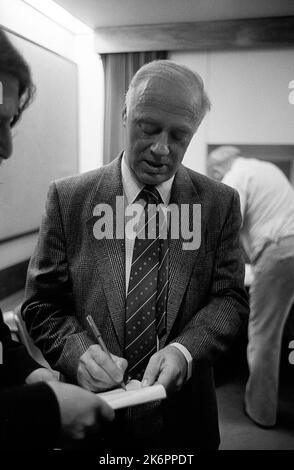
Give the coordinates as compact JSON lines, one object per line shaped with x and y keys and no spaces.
{"x":118,"y":72}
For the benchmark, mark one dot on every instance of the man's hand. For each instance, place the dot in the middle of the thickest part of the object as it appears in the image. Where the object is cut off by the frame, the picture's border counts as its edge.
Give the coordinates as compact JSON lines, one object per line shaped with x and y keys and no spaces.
{"x":41,"y":375}
{"x":81,"y":412}
{"x":167,"y":367}
{"x":97,"y":372}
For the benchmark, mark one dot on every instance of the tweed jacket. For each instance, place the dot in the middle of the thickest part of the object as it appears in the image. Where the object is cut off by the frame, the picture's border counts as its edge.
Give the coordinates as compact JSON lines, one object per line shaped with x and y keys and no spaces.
{"x":73,"y":274}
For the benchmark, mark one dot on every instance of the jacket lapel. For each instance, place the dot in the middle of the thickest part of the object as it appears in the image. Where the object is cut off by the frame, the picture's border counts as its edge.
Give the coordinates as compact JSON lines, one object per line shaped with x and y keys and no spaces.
{"x":109,"y":254}
{"x":181,"y":261}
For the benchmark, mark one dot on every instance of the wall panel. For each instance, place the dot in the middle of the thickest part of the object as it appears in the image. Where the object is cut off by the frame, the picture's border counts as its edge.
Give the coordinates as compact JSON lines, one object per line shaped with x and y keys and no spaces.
{"x":45,"y":141}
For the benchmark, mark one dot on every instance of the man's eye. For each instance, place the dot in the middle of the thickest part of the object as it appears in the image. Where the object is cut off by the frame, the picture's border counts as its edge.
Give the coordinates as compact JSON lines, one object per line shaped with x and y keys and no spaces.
{"x":178,"y":136}
{"x":149,"y":129}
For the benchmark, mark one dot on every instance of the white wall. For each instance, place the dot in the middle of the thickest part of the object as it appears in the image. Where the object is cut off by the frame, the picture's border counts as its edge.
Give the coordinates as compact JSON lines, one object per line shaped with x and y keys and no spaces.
{"x":196,"y":152}
{"x":250,"y":97}
{"x":249,"y":92}
{"x":91,"y":103}
{"x":23,"y":20}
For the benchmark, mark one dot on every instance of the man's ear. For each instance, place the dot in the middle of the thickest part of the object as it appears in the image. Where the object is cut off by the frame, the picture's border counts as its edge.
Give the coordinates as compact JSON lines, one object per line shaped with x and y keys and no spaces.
{"x":124,"y":115}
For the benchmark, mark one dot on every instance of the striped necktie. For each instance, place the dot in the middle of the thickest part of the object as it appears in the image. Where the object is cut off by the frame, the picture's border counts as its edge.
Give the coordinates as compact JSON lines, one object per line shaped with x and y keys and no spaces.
{"x":148,"y":286}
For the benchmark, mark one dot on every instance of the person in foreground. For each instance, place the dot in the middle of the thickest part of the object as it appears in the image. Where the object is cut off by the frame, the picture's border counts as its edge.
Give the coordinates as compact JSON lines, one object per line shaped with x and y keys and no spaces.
{"x":267,"y":205}
{"x":36,"y":411}
{"x":166,"y":310}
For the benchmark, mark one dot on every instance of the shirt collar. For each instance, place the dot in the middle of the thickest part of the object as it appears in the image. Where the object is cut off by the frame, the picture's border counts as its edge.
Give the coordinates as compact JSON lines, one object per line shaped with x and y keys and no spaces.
{"x":132,"y":186}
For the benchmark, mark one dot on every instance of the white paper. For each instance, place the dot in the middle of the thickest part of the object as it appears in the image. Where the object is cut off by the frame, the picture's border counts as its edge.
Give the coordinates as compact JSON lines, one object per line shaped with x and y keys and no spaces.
{"x":135,"y":394}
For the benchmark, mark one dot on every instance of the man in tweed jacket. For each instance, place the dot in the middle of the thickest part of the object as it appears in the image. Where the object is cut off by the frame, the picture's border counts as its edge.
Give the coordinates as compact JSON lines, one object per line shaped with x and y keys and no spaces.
{"x":74,"y":273}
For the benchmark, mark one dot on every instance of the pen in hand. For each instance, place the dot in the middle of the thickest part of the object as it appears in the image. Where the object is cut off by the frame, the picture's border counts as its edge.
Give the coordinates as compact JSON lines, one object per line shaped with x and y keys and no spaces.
{"x":100,"y":341}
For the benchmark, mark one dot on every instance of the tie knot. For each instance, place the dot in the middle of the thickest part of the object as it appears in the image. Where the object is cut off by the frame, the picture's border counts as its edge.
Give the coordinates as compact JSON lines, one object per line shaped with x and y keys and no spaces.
{"x":151,"y":195}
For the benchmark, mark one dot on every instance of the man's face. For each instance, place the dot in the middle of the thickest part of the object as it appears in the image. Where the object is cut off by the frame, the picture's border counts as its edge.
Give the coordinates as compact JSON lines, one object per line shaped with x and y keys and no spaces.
{"x":8,"y":109}
{"x":160,"y":122}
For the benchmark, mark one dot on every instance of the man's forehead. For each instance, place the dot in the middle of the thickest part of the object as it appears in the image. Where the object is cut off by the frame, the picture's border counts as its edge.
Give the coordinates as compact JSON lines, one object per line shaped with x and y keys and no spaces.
{"x":159,"y":94}
{"x":166,"y":84}
{"x":9,"y":87}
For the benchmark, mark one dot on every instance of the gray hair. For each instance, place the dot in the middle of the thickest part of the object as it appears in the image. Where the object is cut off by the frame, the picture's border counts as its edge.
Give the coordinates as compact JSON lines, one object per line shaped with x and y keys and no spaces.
{"x":168,"y":69}
{"x":224,"y":154}
{"x":220,"y":161}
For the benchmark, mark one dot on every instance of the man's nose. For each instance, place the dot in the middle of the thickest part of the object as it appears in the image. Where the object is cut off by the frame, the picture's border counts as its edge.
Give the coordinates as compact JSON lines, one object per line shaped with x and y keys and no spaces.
{"x":160,"y":147}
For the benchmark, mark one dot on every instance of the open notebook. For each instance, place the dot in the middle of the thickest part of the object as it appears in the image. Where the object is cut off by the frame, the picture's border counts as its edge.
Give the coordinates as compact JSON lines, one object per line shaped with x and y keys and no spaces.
{"x":134,"y":394}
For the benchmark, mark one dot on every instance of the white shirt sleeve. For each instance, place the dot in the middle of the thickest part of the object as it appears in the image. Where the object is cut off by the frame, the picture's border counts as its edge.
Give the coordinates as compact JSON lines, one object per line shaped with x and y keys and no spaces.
{"x":187,"y":356}
{"x":235,"y":181}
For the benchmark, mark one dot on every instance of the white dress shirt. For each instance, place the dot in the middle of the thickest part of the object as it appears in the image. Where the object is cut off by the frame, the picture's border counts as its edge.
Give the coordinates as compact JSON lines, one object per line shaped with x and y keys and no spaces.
{"x":132,"y":188}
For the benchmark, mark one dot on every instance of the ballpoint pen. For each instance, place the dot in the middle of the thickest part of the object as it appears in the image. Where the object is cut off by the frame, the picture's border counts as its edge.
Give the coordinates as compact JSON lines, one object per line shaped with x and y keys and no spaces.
{"x":101,"y":343}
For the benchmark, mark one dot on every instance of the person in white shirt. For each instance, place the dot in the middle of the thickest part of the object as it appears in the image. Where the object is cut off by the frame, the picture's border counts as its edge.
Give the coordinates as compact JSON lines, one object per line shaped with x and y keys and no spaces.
{"x":267,"y":206}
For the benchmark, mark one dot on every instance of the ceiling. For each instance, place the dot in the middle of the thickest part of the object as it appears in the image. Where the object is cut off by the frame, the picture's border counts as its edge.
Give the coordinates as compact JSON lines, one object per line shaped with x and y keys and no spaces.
{"x":104,"y":13}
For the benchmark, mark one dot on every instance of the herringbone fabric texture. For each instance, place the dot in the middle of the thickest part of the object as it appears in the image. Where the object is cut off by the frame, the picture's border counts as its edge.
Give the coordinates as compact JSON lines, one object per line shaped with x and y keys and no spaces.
{"x":142,"y":318}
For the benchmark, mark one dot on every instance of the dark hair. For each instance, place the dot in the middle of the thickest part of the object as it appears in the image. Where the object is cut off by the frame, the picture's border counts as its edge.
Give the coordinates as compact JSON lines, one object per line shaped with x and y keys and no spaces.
{"x":13,"y":63}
